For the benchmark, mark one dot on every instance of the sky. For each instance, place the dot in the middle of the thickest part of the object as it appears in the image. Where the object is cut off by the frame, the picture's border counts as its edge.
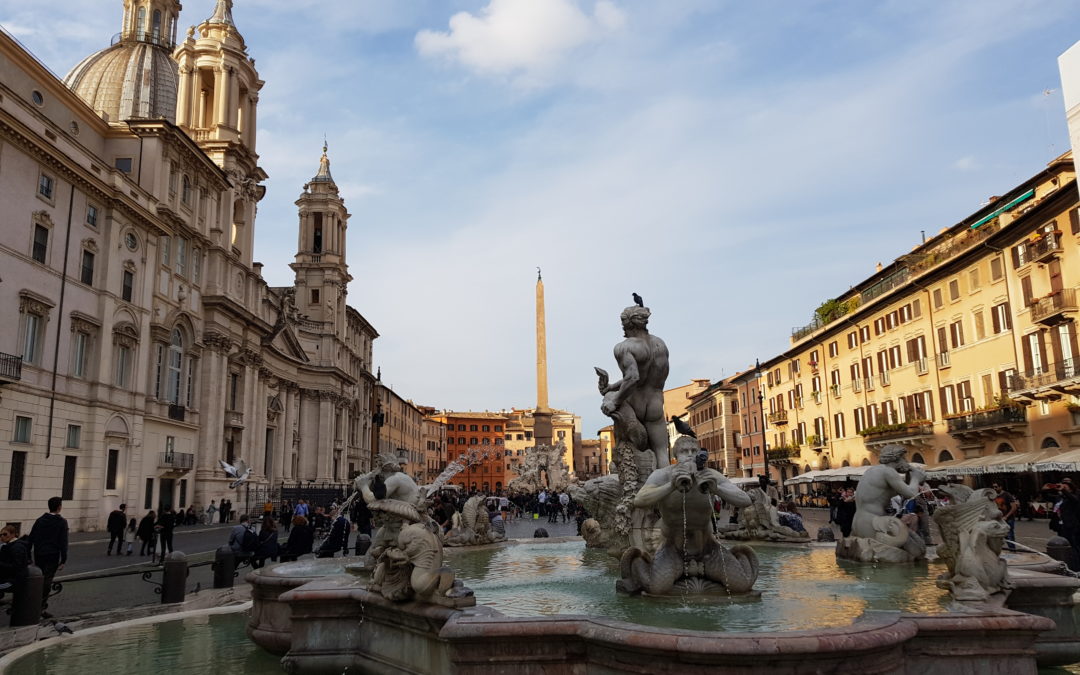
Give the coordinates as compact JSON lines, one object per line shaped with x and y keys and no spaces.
{"x":735,"y":163}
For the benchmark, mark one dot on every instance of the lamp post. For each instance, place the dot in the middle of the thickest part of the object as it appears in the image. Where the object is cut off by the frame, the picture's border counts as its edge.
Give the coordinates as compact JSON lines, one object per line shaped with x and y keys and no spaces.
{"x":764,"y":438}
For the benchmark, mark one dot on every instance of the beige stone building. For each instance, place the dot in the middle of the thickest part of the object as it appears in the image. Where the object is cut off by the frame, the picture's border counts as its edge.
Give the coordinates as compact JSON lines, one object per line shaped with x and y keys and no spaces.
{"x":143,"y":343}
{"x":713,"y":413}
{"x":400,"y":425}
{"x":565,"y":429}
{"x":963,"y":348}
{"x":433,"y":438}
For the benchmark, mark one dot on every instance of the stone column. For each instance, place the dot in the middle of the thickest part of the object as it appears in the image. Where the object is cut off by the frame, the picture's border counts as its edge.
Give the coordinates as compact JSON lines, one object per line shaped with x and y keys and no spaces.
{"x":326,"y":437}
{"x":285,"y":432}
{"x":258,"y":426}
{"x":213,"y":387}
{"x":221,"y":95}
{"x":232,"y":99}
{"x":183,"y":94}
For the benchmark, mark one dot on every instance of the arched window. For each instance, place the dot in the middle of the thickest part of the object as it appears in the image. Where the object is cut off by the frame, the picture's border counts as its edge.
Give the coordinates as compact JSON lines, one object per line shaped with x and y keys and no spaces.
{"x":1005,"y":447}
{"x":806,"y":469}
{"x":157,"y":24}
{"x":917,"y":457}
{"x":1050,"y":442}
{"x":185,"y":190}
{"x":176,"y":364}
{"x":140,"y":23}
{"x":866,"y":462}
{"x":944,"y":456}
{"x":845,"y":463}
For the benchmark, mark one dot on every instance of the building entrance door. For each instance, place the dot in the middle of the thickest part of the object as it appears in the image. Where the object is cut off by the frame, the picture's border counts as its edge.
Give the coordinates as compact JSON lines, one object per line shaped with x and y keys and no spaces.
{"x":166,"y":490}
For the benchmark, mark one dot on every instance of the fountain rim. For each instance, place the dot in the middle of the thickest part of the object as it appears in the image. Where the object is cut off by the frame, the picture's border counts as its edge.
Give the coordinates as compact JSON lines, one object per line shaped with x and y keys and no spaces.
{"x":12,"y":657}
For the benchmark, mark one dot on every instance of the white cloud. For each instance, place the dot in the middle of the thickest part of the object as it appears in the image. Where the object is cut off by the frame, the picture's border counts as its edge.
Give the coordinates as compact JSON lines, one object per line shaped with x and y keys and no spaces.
{"x":966,"y":164}
{"x":523,"y":38}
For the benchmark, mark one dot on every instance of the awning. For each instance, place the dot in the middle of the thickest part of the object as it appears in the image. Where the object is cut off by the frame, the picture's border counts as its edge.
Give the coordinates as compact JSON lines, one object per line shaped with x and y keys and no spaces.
{"x":997,"y":212}
{"x":835,"y":475}
{"x":741,"y":481}
{"x":1002,"y":462}
{"x":1066,"y":461}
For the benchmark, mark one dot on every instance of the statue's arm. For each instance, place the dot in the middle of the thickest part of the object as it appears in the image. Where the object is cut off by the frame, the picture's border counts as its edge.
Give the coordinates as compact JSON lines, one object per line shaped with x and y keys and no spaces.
{"x":363,"y":484}
{"x":720,"y":486}
{"x":658,"y":486}
{"x":896,"y":481}
{"x":631,"y":376}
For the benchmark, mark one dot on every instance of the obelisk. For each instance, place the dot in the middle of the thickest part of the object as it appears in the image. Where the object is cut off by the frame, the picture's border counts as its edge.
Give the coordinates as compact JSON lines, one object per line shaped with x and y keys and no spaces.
{"x":542,"y":414}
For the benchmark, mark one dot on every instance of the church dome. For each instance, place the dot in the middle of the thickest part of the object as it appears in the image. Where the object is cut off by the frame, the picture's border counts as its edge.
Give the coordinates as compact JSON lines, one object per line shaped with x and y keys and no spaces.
{"x":130,"y":79}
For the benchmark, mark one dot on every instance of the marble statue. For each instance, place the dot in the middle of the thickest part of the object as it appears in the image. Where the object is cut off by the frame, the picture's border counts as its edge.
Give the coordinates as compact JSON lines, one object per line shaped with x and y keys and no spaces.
{"x":393,"y":498}
{"x":760,"y":521}
{"x":689,"y":558}
{"x":473,"y":527}
{"x":973,"y":534}
{"x":406,"y":548}
{"x":643,"y":359}
{"x":542,"y":468}
{"x":600,"y":497}
{"x":875,"y":535}
{"x":635,"y":405}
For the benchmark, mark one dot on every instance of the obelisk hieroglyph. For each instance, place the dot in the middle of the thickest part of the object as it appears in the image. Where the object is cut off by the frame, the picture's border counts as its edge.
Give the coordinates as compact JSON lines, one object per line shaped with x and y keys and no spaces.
{"x":542,"y":414}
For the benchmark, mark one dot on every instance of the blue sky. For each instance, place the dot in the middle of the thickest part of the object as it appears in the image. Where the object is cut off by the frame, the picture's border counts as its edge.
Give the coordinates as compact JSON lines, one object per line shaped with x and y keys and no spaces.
{"x":736,"y":163}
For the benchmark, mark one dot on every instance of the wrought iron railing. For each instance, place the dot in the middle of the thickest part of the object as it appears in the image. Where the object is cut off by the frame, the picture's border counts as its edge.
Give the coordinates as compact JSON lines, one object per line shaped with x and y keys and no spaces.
{"x":1038,"y":377}
{"x":986,"y":419}
{"x":1061,"y":301}
{"x":177,"y":460}
{"x":10,"y":367}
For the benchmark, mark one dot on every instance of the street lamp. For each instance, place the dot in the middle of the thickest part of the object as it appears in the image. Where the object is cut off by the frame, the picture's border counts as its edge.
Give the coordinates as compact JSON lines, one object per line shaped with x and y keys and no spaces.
{"x":764,"y":438}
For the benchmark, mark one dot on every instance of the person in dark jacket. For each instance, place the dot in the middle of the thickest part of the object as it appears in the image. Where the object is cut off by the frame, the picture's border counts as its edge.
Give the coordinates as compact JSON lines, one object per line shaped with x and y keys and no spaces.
{"x":301,"y":539}
{"x":1069,"y":526}
{"x":49,"y":545}
{"x":147,"y":535}
{"x":14,"y":555}
{"x":115,"y":525}
{"x":338,"y":539}
{"x":268,"y":543}
{"x":165,"y":524}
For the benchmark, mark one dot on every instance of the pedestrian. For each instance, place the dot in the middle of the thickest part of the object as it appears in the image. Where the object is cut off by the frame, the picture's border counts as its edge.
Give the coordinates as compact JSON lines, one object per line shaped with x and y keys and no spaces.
{"x":49,"y":546}
{"x":268,"y":543}
{"x":14,"y":556}
{"x":129,"y":534}
{"x":1008,"y":506}
{"x":165,"y":524}
{"x":564,"y":505}
{"x":1069,"y":513}
{"x":240,"y":537}
{"x":210,"y":511}
{"x":147,"y":535}
{"x":223,"y":514}
{"x":268,"y":509}
{"x":115,"y":526}
{"x":338,"y":538}
{"x":845,"y":511}
{"x":287,"y":515}
{"x":301,"y":539}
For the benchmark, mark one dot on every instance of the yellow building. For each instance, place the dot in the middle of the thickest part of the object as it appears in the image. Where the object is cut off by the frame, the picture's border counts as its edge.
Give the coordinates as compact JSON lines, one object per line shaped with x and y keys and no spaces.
{"x":565,"y":429}
{"x":713,"y":413}
{"x":963,"y":348}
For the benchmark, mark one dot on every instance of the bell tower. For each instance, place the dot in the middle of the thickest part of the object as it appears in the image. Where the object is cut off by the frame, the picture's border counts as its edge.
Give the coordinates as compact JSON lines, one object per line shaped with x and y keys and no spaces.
{"x":216,"y":105}
{"x":321,"y":271}
{"x":152,"y":21}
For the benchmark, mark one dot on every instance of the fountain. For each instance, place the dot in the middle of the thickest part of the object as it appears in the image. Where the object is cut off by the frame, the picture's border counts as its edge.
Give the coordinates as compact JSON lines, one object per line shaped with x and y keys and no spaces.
{"x":561,"y":607}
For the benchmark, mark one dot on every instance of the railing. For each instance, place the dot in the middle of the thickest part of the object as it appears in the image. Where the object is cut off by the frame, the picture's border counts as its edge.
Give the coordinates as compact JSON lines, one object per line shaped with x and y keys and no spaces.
{"x":176,"y":412}
{"x":799,"y":402}
{"x":1053,"y":305}
{"x":1006,"y":416}
{"x":177,"y":460}
{"x":10,"y":367}
{"x":234,"y":418}
{"x":153,"y":37}
{"x":869,"y":382}
{"x":856,"y":385}
{"x":943,"y":360}
{"x":778,"y":417}
{"x":887,"y":432}
{"x":780,"y":454}
{"x":1031,"y":379}
{"x":817,"y":441}
{"x":800,"y":332}
{"x":816,"y":395}
{"x":898,"y":278}
{"x":885,"y":379}
{"x":1045,"y":247}
{"x":835,"y":389}
{"x":921,"y":366}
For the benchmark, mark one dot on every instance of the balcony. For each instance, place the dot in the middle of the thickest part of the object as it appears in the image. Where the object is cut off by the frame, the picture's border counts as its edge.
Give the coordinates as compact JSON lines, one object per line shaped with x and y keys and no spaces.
{"x":784,"y":455}
{"x":985,"y":424}
{"x":10,"y":368}
{"x":176,"y":412}
{"x":176,"y":461}
{"x":1050,"y":384}
{"x":234,"y":419}
{"x":816,"y":395}
{"x":943,"y":360}
{"x":817,"y":442}
{"x":869,"y":383}
{"x":1054,"y":308}
{"x":799,"y":402}
{"x":856,"y":385}
{"x":885,"y":379}
{"x":778,"y":418}
{"x":835,"y":389}
{"x":1045,"y":248}
{"x":921,"y":366}
{"x":915,"y":433}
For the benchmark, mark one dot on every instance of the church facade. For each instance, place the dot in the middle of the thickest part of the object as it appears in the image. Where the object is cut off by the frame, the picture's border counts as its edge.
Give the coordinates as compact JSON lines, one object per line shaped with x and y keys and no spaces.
{"x":142,"y":344}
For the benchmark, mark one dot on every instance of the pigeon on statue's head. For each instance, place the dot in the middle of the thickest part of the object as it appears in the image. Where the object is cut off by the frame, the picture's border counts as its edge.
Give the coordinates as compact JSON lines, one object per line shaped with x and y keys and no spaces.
{"x":240,"y":472}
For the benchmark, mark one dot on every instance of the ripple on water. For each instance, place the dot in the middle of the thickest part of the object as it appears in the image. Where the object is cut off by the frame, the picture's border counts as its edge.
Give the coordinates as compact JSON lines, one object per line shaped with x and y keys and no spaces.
{"x":801,"y":588}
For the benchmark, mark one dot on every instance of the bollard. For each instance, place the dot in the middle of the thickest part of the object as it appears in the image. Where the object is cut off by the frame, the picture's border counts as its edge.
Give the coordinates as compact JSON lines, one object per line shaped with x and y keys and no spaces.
{"x":224,"y":567}
{"x":26,"y":598}
{"x":363,"y":543}
{"x":174,"y":578}
{"x":1059,"y":548}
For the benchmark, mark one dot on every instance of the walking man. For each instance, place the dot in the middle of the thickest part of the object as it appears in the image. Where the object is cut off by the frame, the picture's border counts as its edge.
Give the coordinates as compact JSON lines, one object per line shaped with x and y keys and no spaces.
{"x":1008,"y":506}
{"x":49,"y":546}
{"x":115,"y":525}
